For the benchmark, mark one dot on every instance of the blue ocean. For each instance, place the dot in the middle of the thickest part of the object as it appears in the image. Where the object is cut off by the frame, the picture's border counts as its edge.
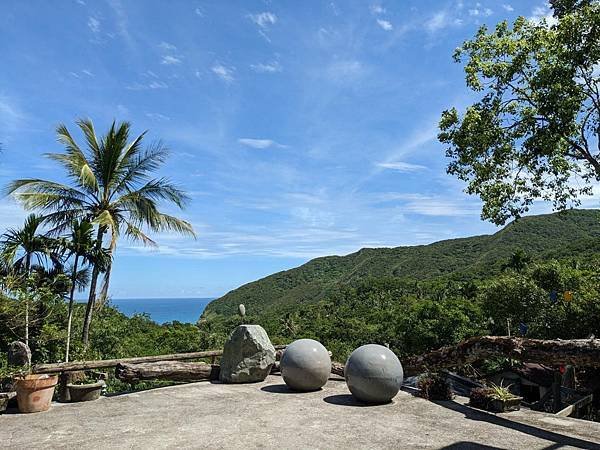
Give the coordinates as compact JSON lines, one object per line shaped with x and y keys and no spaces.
{"x":161,"y":310}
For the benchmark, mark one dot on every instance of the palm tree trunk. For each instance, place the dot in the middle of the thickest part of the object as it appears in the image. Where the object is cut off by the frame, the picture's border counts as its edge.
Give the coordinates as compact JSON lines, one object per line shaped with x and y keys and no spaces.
{"x":27,"y":270}
{"x":71,"y":299}
{"x":89,"y":309}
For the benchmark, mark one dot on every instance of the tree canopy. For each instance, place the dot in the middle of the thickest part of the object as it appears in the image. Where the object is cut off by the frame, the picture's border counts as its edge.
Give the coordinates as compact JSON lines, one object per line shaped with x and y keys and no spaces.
{"x":535,"y":131}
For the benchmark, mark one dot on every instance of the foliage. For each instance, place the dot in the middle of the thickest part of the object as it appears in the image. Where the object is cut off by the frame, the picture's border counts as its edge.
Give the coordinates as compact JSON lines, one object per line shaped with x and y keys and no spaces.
{"x":500,"y":392}
{"x":434,"y":386}
{"x":111,"y":186}
{"x":532,"y":133}
{"x":438,"y":269}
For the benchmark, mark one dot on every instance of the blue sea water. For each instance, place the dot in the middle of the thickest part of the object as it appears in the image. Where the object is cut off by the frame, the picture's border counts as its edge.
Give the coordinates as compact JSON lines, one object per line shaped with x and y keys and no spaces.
{"x":161,"y":310}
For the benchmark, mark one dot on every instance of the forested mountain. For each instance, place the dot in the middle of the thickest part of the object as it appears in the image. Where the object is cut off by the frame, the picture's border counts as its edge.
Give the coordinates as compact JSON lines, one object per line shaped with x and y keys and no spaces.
{"x":564,"y":235}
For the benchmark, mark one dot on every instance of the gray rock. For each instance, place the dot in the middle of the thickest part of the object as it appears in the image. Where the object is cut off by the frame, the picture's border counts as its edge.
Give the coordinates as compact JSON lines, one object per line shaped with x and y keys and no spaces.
{"x":373,"y":374}
{"x":305,"y":365}
{"x":247,"y":356}
{"x":19,"y":354}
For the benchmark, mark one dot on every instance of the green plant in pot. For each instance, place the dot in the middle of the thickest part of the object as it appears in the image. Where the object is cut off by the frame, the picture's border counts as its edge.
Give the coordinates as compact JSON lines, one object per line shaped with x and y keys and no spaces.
{"x":87,"y":388}
{"x":7,"y":381}
{"x":434,"y":387}
{"x":495,"y":398}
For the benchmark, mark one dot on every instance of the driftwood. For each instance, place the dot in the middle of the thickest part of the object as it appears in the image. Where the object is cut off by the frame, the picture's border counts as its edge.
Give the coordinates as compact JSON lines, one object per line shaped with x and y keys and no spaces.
{"x":167,"y":370}
{"x":576,"y":352}
{"x":99,"y":364}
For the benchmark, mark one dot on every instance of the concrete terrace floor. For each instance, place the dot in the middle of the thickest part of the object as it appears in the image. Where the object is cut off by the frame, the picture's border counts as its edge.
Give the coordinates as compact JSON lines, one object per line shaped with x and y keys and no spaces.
{"x":268,"y":415}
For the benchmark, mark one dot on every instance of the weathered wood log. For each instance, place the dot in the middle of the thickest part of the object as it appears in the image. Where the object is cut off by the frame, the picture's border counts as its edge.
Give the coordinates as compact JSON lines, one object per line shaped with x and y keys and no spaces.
{"x":99,"y":364}
{"x":167,"y":370}
{"x":577,"y":352}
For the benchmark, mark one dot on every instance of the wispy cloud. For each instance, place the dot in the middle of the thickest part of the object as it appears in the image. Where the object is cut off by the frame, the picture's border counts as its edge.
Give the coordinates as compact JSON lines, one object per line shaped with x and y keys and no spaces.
{"x":401,"y":166}
{"x":223,"y":72}
{"x":508,"y":7}
{"x":260,"y":143}
{"x":264,"y":21}
{"x":441,"y":20}
{"x":157,"y":116}
{"x":154,"y":84}
{"x":377,"y":9}
{"x":385,"y":24}
{"x":271,"y":67}
{"x":480,"y":11}
{"x":94,"y":24}
{"x":170,"y":60}
{"x":166,"y":46}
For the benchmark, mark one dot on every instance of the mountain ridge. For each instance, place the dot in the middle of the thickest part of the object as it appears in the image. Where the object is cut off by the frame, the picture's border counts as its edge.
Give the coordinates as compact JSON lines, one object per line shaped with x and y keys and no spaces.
{"x":549,"y":236}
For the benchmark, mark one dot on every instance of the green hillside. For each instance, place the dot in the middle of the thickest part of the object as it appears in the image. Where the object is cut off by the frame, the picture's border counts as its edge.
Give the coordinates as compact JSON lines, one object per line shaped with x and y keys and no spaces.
{"x":573,"y":233}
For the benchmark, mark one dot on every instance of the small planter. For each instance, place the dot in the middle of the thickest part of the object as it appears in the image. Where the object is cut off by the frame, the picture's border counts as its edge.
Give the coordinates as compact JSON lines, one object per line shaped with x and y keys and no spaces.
{"x":5,"y":397}
{"x":484,"y":398}
{"x":34,"y":392}
{"x":85,"y":392}
{"x":500,"y":406}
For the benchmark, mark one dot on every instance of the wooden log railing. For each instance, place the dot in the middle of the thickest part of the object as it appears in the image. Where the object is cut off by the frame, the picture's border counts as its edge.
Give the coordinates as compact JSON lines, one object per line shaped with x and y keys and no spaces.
{"x":105,"y":363}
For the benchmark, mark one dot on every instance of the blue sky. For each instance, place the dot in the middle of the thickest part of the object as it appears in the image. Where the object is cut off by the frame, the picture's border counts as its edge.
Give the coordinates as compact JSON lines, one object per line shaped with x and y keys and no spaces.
{"x":300,"y":129}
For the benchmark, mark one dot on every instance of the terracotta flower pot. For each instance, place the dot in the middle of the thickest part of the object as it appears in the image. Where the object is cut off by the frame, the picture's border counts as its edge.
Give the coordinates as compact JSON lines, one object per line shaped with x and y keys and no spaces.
{"x":85,"y":392}
{"x":34,"y":392}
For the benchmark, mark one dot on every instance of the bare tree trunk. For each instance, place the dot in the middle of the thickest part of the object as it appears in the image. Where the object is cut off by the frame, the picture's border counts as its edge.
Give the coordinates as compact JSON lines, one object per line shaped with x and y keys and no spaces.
{"x":71,"y":300}
{"x":89,"y":309}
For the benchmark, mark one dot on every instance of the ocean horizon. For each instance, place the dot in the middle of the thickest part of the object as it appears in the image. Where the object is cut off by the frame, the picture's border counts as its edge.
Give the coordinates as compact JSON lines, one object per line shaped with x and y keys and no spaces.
{"x":162,"y":310}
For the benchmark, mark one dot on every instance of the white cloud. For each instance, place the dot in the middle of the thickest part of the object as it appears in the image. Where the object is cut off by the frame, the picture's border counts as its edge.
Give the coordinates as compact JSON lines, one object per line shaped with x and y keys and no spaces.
{"x":166,"y":46}
{"x":93,"y":24}
{"x":223,"y":72}
{"x":478,"y":11}
{"x":260,"y":143}
{"x":199,"y":12}
{"x":271,"y":67}
{"x":385,"y":24}
{"x":263,"y":20}
{"x":441,"y":20}
{"x":401,"y":166}
{"x":345,"y":70}
{"x":377,"y":9}
{"x":170,"y":60}
{"x":157,"y":116}
{"x":89,"y":73}
{"x":508,"y":7}
{"x":543,"y":13}
{"x":154,"y":84}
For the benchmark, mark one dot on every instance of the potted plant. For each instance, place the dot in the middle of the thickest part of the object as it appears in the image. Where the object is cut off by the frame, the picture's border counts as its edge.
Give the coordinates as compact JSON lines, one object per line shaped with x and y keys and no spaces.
{"x":495,"y":399}
{"x":7,"y":390}
{"x":434,"y":386}
{"x":87,"y":388}
{"x":35,"y":391}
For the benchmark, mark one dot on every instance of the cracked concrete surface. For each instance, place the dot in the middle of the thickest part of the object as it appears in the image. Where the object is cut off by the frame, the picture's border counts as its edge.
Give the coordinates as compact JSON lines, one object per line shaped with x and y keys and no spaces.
{"x":268,"y":415}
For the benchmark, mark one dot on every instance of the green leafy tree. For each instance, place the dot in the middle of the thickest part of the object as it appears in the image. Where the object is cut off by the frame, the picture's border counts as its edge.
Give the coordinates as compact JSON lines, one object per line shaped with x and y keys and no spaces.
{"x":535,"y":131}
{"x":21,"y":249}
{"x":111,"y":185}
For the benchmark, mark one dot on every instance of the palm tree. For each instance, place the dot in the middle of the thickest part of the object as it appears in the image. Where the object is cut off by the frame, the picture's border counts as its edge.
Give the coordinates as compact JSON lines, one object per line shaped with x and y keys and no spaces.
{"x":110,"y":186}
{"x":80,"y":246}
{"x":21,"y":248}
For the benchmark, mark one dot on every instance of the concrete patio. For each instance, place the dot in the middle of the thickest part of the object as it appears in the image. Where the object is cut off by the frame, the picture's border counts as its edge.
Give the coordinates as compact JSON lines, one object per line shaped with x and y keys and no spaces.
{"x":268,"y":415}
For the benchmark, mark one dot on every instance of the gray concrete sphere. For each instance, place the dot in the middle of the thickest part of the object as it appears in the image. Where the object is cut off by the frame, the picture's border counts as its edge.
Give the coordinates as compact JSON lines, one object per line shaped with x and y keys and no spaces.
{"x":373,"y":374}
{"x":305,"y":365}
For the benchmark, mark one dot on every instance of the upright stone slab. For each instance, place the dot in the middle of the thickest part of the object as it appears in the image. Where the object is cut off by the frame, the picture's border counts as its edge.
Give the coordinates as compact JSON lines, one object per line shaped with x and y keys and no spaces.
{"x":19,"y":354}
{"x":247,"y":356}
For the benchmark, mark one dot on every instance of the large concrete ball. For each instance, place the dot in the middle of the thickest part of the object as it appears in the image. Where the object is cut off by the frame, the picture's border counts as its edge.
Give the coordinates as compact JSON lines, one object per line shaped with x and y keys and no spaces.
{"x":305,"y":365}
{"x":373,"y":374}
